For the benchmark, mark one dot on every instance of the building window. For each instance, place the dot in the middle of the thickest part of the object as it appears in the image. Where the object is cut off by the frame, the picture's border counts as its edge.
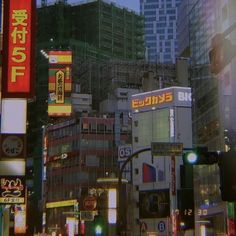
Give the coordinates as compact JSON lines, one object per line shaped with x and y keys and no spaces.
{"x":136,"y":171}
{"x":85,"y":126}
{"x":136,"y":139}
{"x":93,"y":127}
{"x":101,"y":128}
{"x":224,"y":12}
{"x":135,"y":123}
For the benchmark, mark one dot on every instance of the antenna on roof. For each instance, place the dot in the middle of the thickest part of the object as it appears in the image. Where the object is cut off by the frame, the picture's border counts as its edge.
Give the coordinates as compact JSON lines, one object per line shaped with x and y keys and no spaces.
{"x":44,"y":3}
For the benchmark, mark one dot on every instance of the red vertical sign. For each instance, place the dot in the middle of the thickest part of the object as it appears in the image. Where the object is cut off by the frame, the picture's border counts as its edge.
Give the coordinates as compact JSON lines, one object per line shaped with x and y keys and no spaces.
{"x":173,"y":176}
{"x":18,"y":51}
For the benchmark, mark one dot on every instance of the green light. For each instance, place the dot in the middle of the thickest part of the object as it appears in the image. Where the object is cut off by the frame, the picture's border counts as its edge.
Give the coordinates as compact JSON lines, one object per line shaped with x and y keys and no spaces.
{"x":98,"y":229}
{"x":191,"y":157}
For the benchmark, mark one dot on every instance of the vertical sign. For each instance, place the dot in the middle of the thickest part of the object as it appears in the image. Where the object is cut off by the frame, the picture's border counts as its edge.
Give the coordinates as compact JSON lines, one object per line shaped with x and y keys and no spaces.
{"x":173,"y":176}
{"x":18,"y":48}
{"x":1,"y":10}
{"x":20,"y":219}
{"x":59,"y":101}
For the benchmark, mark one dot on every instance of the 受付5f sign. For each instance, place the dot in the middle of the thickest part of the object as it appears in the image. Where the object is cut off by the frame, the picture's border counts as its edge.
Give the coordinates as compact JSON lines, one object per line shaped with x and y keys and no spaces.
{"x":18,"y":43}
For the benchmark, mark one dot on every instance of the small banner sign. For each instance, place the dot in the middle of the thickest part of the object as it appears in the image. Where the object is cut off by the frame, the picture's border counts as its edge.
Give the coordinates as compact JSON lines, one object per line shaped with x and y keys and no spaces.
{"x":87,"y":215}
{"x":166,"y":149}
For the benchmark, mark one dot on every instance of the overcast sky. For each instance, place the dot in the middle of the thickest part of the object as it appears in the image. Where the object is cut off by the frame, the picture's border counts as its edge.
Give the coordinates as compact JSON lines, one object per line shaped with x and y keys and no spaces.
{"x":131,"y":4}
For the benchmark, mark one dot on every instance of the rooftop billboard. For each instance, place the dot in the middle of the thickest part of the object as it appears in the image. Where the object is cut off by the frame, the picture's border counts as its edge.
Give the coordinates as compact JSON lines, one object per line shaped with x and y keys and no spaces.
{"x":173,"y":96}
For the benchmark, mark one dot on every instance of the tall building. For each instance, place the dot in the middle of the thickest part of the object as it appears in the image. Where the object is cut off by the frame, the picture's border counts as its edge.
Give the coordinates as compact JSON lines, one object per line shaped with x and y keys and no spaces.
{"x":159,"y":116}
{"x":96,"y":30}
{"x":213,"y":109}
{"x":77,"y":153}
{"x":160,"y":19}
{"x":114,"y":32}
{"x":183,"y":49}
{"x":99,"y":78}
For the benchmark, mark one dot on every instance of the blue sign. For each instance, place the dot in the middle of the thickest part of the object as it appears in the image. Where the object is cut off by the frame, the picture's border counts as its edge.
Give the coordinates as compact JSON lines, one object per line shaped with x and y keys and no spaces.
{"x":161,"y":226}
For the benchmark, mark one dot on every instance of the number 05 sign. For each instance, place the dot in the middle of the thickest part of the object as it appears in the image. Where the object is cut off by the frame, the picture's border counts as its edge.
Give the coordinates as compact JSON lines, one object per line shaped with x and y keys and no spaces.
{"x":124,"y":152}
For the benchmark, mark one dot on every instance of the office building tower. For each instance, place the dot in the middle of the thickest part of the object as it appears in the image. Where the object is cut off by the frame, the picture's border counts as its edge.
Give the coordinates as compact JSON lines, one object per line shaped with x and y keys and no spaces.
{"x":160,"y":19}
{"x":213,"y":109}
{"x":183,"y":49}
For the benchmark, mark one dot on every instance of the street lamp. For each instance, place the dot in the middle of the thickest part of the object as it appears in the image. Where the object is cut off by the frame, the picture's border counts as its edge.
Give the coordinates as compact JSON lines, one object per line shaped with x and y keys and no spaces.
{"x":120,"y":224}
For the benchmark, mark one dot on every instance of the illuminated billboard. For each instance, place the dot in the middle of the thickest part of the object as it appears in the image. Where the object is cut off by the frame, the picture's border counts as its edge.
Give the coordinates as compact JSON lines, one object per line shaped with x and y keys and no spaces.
{"x":11,"y":107}
{"x":20,"y":219}
{"x":61,"y":203}
{"x":60,"y":57}
{"x":12,"y":189}
{"x":18,"y":49}
{"x":59,"y":99}
{"x":173,"y":96}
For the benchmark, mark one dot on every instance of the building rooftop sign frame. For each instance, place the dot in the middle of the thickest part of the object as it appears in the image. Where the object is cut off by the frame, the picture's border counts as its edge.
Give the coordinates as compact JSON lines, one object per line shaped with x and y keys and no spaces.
{"x":166,"y":149}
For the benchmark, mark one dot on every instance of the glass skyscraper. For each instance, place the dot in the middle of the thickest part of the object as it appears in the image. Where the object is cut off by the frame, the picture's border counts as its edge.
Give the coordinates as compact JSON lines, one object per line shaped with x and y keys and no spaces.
{"x":213,"y":109}
{"x":160,"y":29}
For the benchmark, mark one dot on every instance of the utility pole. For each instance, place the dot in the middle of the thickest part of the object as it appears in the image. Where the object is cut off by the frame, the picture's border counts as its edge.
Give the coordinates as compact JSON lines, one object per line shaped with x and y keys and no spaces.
{"x":120,"y":225}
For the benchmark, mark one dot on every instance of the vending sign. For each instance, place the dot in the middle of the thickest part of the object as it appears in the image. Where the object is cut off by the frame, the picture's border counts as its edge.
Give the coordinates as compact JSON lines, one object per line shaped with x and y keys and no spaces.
{"x":18,"y":49}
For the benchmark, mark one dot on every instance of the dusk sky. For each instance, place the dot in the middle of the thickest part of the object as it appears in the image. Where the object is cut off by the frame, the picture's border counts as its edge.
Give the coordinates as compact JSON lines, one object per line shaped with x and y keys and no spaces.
{"x":131,"y":4}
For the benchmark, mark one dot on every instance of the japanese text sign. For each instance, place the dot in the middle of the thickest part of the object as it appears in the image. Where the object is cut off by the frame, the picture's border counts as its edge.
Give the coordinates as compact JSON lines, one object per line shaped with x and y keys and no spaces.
{"x":18,"y":56}
{"x":12,"y":189}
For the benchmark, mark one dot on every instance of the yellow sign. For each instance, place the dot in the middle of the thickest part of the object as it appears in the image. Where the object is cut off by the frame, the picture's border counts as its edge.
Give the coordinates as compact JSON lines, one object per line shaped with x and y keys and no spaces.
{"x":61,"y":203}
{"x":60,"y":81}
{"x":152,"y":100}
{"x":13,"y":200}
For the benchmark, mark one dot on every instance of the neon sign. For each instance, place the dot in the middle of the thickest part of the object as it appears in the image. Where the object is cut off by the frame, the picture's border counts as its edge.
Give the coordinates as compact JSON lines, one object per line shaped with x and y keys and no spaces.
{"x":12,"y":189}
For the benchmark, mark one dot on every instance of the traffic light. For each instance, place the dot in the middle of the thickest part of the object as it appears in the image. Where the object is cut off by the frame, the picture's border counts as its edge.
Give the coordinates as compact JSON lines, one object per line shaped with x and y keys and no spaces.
{"x":98,"y":225}
{"x":221,"y":53}
{"x":200,"y":156}
{"x":227,"y":166}
{"x":98,"y":229}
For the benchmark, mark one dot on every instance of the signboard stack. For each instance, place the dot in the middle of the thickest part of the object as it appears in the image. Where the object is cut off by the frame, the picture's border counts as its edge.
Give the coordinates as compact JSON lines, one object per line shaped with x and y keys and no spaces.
{"x":17,"y":86}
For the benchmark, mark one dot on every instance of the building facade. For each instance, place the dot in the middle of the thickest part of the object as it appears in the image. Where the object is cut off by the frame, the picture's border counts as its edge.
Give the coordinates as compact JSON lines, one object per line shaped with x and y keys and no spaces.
{"x":59,"y":28}
{"x":113,"y":31}
{"x":159,"y":116}
{"x":213,"y":110}
{"x":160,"y":19}
{"x":77,"y":153}
{"x":101,"y":78}
{"x":184,"y":8}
